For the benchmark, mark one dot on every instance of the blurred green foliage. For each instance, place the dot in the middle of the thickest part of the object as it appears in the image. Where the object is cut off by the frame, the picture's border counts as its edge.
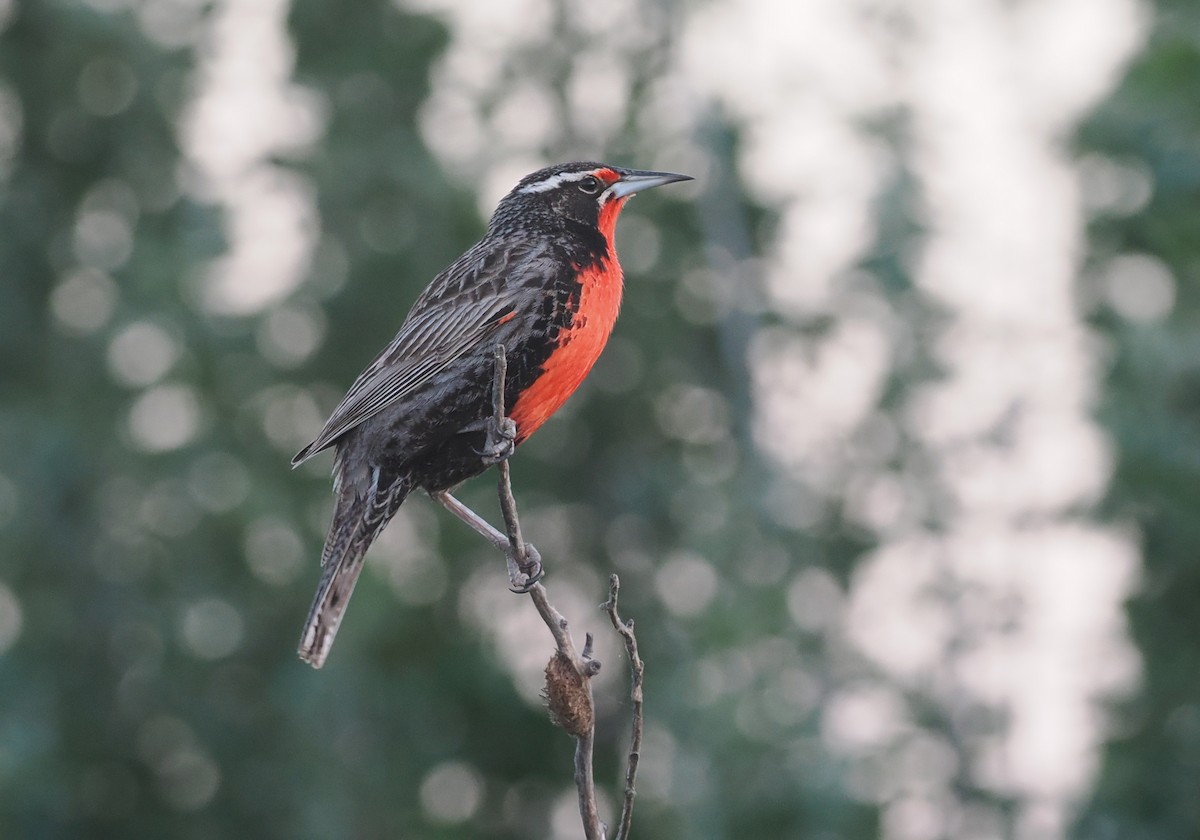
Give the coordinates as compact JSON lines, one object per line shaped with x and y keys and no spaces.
{"x":153,"y":688}
{"x":1151,"y":405}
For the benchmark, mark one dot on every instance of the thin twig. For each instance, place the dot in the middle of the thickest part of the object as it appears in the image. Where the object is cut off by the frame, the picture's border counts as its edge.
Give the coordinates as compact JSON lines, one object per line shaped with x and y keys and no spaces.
{"x":586,"y":668}
{"x":568,"y":684}
{"x":637,"y":675}
{"x":508,"y":505}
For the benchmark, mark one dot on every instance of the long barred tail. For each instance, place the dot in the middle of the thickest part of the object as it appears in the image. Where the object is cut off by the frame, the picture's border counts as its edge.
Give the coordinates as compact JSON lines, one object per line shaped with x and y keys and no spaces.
{"x":356,"y":524}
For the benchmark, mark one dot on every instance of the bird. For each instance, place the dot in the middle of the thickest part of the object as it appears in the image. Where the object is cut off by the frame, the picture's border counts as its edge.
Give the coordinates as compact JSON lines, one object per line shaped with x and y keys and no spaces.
{"x":544,"y":283}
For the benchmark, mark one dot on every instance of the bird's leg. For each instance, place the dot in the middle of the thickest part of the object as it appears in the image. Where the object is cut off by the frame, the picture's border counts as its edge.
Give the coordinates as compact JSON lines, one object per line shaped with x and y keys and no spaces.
{"x":478,"y":524}
{"x":521,"y":574}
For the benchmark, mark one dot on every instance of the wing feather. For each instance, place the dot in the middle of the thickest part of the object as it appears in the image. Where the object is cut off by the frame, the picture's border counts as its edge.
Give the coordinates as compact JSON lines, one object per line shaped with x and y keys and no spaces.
{"x":457,"y":312}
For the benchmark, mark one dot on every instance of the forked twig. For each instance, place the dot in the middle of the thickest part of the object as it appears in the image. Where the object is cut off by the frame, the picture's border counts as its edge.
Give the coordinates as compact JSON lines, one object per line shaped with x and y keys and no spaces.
{"x":569,"y":672}
{"x":637,"y":671}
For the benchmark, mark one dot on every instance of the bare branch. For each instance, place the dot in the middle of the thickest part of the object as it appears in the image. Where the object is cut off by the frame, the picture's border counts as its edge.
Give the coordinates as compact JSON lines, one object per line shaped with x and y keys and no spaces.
{"x":637,"y":675}
{"x":569,"y":672}
{"x":574,"y":682}
{"x":508,"y":505}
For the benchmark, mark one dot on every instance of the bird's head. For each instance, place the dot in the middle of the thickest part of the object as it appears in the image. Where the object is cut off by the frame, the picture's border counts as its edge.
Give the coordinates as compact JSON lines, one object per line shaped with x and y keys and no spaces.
{"x":586,"y":193}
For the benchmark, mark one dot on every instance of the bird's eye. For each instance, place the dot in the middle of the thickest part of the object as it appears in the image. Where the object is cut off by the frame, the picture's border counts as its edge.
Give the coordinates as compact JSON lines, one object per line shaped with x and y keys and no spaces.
{"x":589,"y":185}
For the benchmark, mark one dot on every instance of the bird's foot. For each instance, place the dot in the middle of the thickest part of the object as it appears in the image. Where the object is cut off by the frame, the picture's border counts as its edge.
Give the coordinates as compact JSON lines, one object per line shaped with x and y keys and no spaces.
{"x":501,"y":441}
{"x":523,"y":575}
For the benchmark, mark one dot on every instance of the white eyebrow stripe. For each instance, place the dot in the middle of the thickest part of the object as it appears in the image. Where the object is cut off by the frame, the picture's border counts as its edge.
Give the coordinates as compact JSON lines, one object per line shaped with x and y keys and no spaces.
{"x":555,"y":181}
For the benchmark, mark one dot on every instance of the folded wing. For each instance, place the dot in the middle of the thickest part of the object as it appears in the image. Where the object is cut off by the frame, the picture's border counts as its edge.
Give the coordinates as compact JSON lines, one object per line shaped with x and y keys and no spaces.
{"x":460,"y":310}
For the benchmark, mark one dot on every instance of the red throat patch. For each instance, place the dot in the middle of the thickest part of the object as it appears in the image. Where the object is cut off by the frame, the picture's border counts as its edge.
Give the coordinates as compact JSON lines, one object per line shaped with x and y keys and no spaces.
{"x":580,"y":346}
{"x":608,"y":223}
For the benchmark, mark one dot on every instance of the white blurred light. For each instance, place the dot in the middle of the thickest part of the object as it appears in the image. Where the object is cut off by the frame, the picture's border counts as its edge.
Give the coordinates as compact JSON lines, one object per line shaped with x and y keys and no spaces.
{"x":103,"y":239}
{"x":765,"y":564}
{"x":881,"y":501}
{"x":452,"y":124}
{"x":289,"y":334}
{"x":405,"y":553}
{"x":987,"y":605}
{"x":894,"y":615}
{"x":1114,"y":187}
{"x":1140,"y":288}
{"x":598,"y":94}
{"x":12,"y":123}
{"x":640,"y":245}
{"x":141,"y":354}
{"x":84,"y":301}
{"x":165,"y":417}
{"x":211,"y":628}
{"x":492,"y":27}
{"x":524,"y":116}
{"x":928,"y":763}
{"x":693,"y":414}
{"x":274,"y":551}
{"x":791,"y":696}
{"x":686,"y":584}
{"x":416,"y":577}
{"x":485,"y":604}
{"x":10,"y":618}
{"x":247,"y":110}
{"x":452,"y":793}
{"x":1073,"y":52}
{"x":814,"y":599}
{"x":843,"y":375}
{"x":171,"y":23}
{"x":290,"y":416}
{"x":913,"y":818}
{"x":656,"y":769}
{"x":272,"y":224}
{"x":189,"y":779}
{"x":613,"y":20}
{"x":863,"y":718}
{"x":564,"y":817}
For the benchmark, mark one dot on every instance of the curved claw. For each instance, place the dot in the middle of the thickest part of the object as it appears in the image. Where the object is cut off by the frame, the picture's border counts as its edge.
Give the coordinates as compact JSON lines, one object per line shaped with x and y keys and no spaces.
{"x":532,"y":570}
{"x":501,"y":441}
{"x":528,"y":585}
{"x":492,"y":455}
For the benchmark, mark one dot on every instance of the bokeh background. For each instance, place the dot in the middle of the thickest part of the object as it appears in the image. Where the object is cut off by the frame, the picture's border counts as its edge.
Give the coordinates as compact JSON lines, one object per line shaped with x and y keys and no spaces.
{"x":896,"y":447}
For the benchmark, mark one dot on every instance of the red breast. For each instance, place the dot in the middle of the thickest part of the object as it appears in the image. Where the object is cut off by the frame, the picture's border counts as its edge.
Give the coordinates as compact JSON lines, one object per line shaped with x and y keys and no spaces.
{"x":600,"y":286}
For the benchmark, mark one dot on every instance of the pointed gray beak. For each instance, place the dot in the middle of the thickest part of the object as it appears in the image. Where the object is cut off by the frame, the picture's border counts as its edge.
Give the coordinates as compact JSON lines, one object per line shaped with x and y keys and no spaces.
{"x":635,"y":181}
